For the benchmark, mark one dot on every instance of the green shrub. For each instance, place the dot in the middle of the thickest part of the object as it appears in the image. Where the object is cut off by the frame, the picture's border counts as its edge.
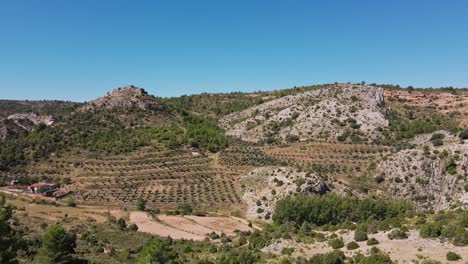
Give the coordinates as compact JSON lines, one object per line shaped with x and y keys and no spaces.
{"x":437,"y":136}
{"x":336,"y":243}
{"x":121,"y":224}
{"x":133,"y":227}
{"x":379,"y":179}
{"x":334,"y":257}
{"x":360,"y":235}
{"x":452,"y":256}
{"x":292,"y":138}
{"x":463,"y":134}
{"x":372,"y":241}
{"x":352,"y":245}
{"x":71,"y":202}
{"x":158,"y":251}
{"x":430,"y":230}
{"x":140,"y":204}
{"x":185,"y":209}
{"x":443,"y":154}
{"x":437,"y":142}
{"x":287,"y":251}
{"x":397,"y":234}
{"x":461,"y":238}
{"x":376,"y":257}
{"x":57,"y":246}
{"x":448,"y":231}
{"x":451,"y":165}
{"x":214,"y":235}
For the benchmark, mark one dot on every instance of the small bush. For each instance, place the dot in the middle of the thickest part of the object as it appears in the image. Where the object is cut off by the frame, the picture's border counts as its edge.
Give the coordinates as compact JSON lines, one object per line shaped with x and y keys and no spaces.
{"x":463,"y":134}
{"x":214,"y":235}
{"x":336,"y":243}
{"x":437,"y":136}
{"x":397,"y":234}
{"x":352,"y":245}
{"x":287,"y":251}
{"x":372,"y":242}
{"x":71,"y":203}
{"x":292,"y":138}
{"x":360,"y":235}
{"x":379,"y":179}
{"x":141,"y":204}
{"x":133,"y":227}
{"x":437,"y":142}
{"x":452,"y":256}
{"x":121,"y":224}
{"x":430,"y":230}
{"x":461,"y":238}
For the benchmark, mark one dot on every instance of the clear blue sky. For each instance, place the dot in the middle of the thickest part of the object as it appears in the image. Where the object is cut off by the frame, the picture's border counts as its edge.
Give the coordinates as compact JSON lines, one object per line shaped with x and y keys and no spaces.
{"x":78,"y":50}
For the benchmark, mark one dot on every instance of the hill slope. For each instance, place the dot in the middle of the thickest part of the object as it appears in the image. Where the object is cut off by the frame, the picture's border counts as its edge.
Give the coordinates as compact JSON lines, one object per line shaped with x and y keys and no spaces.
{"x":341,"y":110}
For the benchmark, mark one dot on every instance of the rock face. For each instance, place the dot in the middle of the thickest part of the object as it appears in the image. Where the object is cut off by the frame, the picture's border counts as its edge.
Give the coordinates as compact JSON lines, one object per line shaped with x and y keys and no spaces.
{"x":322,"y":113}
{"x":432,"y":177}
{"x":124,"y":98}
{"x":31,"y":117}
{"x":15,"y":123}
{"x":266,"y":185}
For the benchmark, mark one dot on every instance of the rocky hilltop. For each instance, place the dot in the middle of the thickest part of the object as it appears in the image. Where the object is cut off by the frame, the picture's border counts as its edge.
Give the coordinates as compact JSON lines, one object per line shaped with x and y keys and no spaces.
{"x":345,"y":111}
{"x":127,"y":97}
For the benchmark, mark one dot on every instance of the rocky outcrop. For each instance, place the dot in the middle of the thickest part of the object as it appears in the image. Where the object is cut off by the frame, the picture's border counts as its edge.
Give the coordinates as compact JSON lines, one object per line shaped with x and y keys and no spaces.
{"x":15,"y":123}
{"x":434,"y":177}
{"x":322,"y":113}
{"x":124,"y":98}
{"x":264,"y":186}
{"x":33,"y":118}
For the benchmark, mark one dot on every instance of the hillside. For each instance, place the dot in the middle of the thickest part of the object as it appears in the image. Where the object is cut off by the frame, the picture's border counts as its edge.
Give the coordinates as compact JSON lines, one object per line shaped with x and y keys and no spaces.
{"x":23,"y":116}
{"x":261,"y":177}
{"x":433,"y":174}
{"x":346,"y":112}
{"x":350,"y":133}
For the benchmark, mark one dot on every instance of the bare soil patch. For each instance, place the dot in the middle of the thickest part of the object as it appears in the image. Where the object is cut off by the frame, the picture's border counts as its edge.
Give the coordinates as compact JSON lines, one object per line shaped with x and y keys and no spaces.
{"x":146,"y":224}
{"x":220,"y":224}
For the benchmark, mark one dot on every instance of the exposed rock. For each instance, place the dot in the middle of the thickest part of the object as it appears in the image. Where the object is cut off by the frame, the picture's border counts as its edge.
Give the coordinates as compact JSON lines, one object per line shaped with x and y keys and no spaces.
{"x":321,"y":113}
{"x":15,"y":123}
{"x":125,"y":97}
{"x":267,"y":185}
{"x":31,"y":117}
{"x":423,"y":174}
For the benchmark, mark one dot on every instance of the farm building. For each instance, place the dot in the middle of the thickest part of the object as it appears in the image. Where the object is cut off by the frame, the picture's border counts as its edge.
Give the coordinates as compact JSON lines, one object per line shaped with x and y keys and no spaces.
{"x":42,"y":188}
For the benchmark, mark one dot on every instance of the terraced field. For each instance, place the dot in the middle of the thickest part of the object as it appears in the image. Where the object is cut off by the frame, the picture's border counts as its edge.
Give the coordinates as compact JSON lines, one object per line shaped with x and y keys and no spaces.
{"x":247,"y":156}
{"x":334,"y":159}
{"x":164,"y":178}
